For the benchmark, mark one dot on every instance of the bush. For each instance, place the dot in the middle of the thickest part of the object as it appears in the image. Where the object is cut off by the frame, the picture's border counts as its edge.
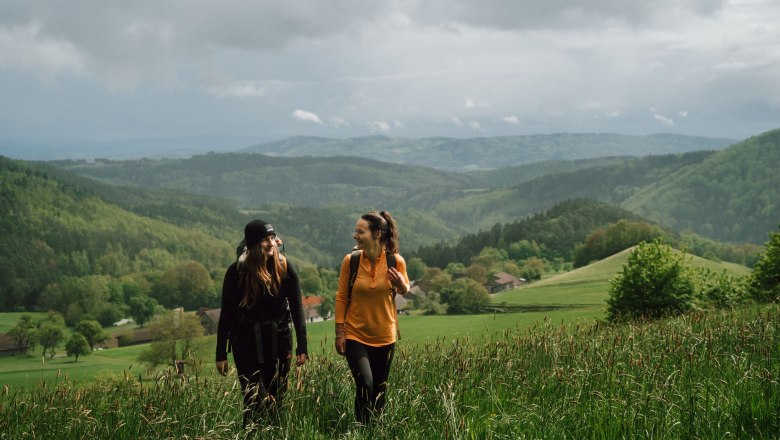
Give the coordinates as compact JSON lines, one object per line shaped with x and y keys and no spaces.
{"x":465,"y":296}
{"x":654,"y":283}
{"x":721,"y":291}
{"x":765,"y":284}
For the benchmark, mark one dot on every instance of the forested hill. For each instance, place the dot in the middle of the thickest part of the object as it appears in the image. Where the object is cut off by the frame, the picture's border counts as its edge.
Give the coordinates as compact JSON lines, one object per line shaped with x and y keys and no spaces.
{"x":733,"y":195}
{"x":490,"y":152}
{"x":253,"y":180}
{"x":729,"y":195}
{"x":56,"y":224}
{"x":556,"y":230}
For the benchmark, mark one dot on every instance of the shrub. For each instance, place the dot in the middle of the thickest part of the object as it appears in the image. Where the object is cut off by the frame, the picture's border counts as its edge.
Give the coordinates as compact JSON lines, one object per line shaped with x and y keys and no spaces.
{"x":465,"y":296}
{"x":765,"y":284}
{"x":653,"y":283}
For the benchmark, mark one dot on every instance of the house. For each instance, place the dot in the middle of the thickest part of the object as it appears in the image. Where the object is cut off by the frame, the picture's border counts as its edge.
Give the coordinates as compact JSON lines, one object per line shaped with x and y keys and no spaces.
{"x":8,"y":346}
{"x":209,"y":318}
{"x":311,"y":308}
{"x":502,"y":281}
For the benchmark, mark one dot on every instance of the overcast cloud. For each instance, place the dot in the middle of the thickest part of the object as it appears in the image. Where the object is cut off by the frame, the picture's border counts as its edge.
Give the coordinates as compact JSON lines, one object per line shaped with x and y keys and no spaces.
{"x":241,"y":72}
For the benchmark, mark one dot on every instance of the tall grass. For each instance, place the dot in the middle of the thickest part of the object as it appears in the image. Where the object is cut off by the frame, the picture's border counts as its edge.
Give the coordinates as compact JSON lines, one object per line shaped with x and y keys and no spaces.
{"x":699,"y":376}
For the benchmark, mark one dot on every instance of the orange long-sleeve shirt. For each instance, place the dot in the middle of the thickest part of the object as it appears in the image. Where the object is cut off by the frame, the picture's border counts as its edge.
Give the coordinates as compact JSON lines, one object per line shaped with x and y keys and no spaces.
{"x":371,"y":318}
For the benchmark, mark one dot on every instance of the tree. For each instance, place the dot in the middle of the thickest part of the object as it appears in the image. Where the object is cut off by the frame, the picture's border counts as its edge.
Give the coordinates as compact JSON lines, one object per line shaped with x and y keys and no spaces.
{"x":186,"y":285}
{"x":434,"y":280}
{"x":430,"y":304}
{"x":765,"y":282}
{"x":175,"y":337}
{"x":310,"y":280}
{"x":465,"y":296}
{"x":77,"y":346}
{"x":77,"y":297}
{"x":532,"y":269}
{"x":327,"y":307}
{"x":142,"y":309}
{"x":92,"y":331}
{"x":51,"y":332}
{"x":24,"y":333}
{"x":653,"y":283}
{"x":478,"y":273}
{"x":524,"y":249}
{"x":415,"y":268}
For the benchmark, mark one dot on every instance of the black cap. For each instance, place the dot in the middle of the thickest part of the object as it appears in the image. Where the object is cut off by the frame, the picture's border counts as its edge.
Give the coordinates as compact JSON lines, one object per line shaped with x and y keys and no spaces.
{"x":256,"y":230}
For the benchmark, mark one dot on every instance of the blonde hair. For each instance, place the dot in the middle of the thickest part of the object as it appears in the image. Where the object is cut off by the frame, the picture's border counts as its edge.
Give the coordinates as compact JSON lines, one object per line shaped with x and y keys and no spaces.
{"x":260,"y":270}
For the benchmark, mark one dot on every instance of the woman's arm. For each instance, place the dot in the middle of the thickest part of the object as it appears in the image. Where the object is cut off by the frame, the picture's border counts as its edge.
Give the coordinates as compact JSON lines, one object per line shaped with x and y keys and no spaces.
{"x":229,"y":289}
{"x":341,"y":305}
{"x":292,"y":289}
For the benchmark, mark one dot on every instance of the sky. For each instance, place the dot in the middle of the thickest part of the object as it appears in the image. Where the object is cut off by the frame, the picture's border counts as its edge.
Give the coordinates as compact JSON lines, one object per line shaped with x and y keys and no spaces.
{"x":222,"y":75}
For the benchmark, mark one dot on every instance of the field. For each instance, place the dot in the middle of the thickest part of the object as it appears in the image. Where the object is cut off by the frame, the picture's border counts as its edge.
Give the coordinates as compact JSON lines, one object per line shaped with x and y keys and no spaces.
{"x":574,"y":298}
{"x":699,"y":376}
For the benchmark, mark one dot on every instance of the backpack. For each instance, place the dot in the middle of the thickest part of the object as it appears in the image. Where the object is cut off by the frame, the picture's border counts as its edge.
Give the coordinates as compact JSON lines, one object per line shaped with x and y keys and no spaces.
{"x":354,"y":264}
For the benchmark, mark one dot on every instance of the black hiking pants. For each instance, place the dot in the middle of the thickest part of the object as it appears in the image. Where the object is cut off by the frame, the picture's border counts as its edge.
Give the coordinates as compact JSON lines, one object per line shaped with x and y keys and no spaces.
{"x":370,"y":367}
{"x":263,"y":384}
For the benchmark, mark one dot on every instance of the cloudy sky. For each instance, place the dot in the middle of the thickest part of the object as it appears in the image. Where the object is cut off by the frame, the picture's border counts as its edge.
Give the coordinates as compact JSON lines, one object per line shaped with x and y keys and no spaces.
{"x":229,"y":74}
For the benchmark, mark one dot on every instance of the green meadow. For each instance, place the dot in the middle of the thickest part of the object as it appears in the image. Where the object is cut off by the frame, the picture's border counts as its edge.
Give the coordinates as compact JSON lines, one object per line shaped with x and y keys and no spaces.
{"x":574,"y":298}
{"x":540,"y":366}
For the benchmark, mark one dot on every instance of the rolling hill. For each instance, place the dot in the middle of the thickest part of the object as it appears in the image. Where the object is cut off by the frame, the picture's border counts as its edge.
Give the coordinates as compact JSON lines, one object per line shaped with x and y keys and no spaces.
{"x":489,"y":152}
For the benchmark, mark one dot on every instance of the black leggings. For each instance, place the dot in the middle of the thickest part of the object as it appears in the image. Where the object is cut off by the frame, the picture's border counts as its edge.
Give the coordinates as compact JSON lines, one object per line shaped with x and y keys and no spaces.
{"x":263,"y":385}
{"x":370,"y":367}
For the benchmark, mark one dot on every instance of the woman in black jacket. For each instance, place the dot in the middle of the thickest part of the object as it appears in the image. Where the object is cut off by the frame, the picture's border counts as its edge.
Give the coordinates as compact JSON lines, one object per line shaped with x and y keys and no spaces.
{"x":260,"y":296}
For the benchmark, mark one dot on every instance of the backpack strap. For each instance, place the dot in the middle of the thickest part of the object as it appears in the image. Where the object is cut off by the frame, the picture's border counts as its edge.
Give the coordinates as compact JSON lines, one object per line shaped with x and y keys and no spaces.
{"x":390,"y":257}
{"x":354,"y":264}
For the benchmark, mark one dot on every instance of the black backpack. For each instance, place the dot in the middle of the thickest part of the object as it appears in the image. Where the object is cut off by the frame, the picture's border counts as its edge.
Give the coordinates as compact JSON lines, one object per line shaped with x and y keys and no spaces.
{"x":354,"y":264}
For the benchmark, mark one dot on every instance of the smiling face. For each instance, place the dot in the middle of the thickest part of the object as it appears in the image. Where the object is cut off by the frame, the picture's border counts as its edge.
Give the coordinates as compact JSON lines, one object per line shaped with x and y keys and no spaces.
{"x":268,"y":245}
{"x":364,"y":238}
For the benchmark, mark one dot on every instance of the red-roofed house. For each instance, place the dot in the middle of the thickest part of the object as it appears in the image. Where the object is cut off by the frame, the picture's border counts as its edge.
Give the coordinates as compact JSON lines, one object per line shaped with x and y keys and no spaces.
{"x":311,"y":308}
{"x":503,"y":281}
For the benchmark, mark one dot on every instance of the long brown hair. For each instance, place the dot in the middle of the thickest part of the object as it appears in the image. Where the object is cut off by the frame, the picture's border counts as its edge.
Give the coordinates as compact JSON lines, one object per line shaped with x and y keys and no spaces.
{"x":261,"y":271}
{"x":382,"y":221}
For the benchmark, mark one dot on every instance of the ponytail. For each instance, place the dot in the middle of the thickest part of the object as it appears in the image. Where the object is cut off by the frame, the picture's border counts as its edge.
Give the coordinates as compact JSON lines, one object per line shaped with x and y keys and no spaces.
{"x":384,"y":223}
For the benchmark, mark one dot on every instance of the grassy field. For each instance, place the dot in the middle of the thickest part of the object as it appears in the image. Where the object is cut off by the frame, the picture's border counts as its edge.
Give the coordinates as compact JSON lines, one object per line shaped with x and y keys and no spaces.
{"x":8,"y":320}
{"x":574,"y":298}
{"x":709,"y":375}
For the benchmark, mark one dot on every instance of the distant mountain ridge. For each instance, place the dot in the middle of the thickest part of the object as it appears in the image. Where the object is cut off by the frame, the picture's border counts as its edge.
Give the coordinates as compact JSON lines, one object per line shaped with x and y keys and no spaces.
{"x":729,"y":194}
{"x":453,"y":154}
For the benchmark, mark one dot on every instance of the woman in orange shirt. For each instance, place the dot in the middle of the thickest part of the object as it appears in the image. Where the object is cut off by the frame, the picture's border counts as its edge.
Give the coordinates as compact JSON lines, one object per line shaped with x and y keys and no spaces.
{"x":366,"y":319}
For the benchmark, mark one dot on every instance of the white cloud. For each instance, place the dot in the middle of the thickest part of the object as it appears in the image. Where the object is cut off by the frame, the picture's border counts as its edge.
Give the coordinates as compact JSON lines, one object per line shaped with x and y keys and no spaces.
{"x":456,"y":120}
{"x":338,"y":122}
{"x":613,"y":113}
{"x":302,"y":115}
{"x":511,"y":120}
{"x":683,"y":113}
{"x":398,"y":124}
{"x":247,"y":89}
{"x":26,"y":47}
{"x":379,"y":126}
{"x":663,"y":119}
{"x":476,"y":126}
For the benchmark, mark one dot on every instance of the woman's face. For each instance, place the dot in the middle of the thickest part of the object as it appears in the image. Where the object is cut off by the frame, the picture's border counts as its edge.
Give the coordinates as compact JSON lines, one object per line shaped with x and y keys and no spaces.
{"x":268,"y":245}
{"x":363,"y":236}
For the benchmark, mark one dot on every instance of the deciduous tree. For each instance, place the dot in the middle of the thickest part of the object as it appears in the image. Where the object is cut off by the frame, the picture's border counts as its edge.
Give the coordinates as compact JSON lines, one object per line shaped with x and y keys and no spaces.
{"x":77,"y":346}
{"x":92,"y":331}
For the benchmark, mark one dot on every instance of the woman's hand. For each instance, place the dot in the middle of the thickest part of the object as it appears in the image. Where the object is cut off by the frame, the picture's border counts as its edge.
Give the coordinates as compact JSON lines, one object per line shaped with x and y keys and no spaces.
{"x":222,"y":367}
{"x":341,"y":344}
{"x":301,"y":359}
{"x":397,"y":280}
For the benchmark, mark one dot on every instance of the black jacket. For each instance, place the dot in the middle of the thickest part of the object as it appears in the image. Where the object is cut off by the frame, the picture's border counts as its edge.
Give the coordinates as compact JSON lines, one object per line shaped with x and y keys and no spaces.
{"x":235,"y":323}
